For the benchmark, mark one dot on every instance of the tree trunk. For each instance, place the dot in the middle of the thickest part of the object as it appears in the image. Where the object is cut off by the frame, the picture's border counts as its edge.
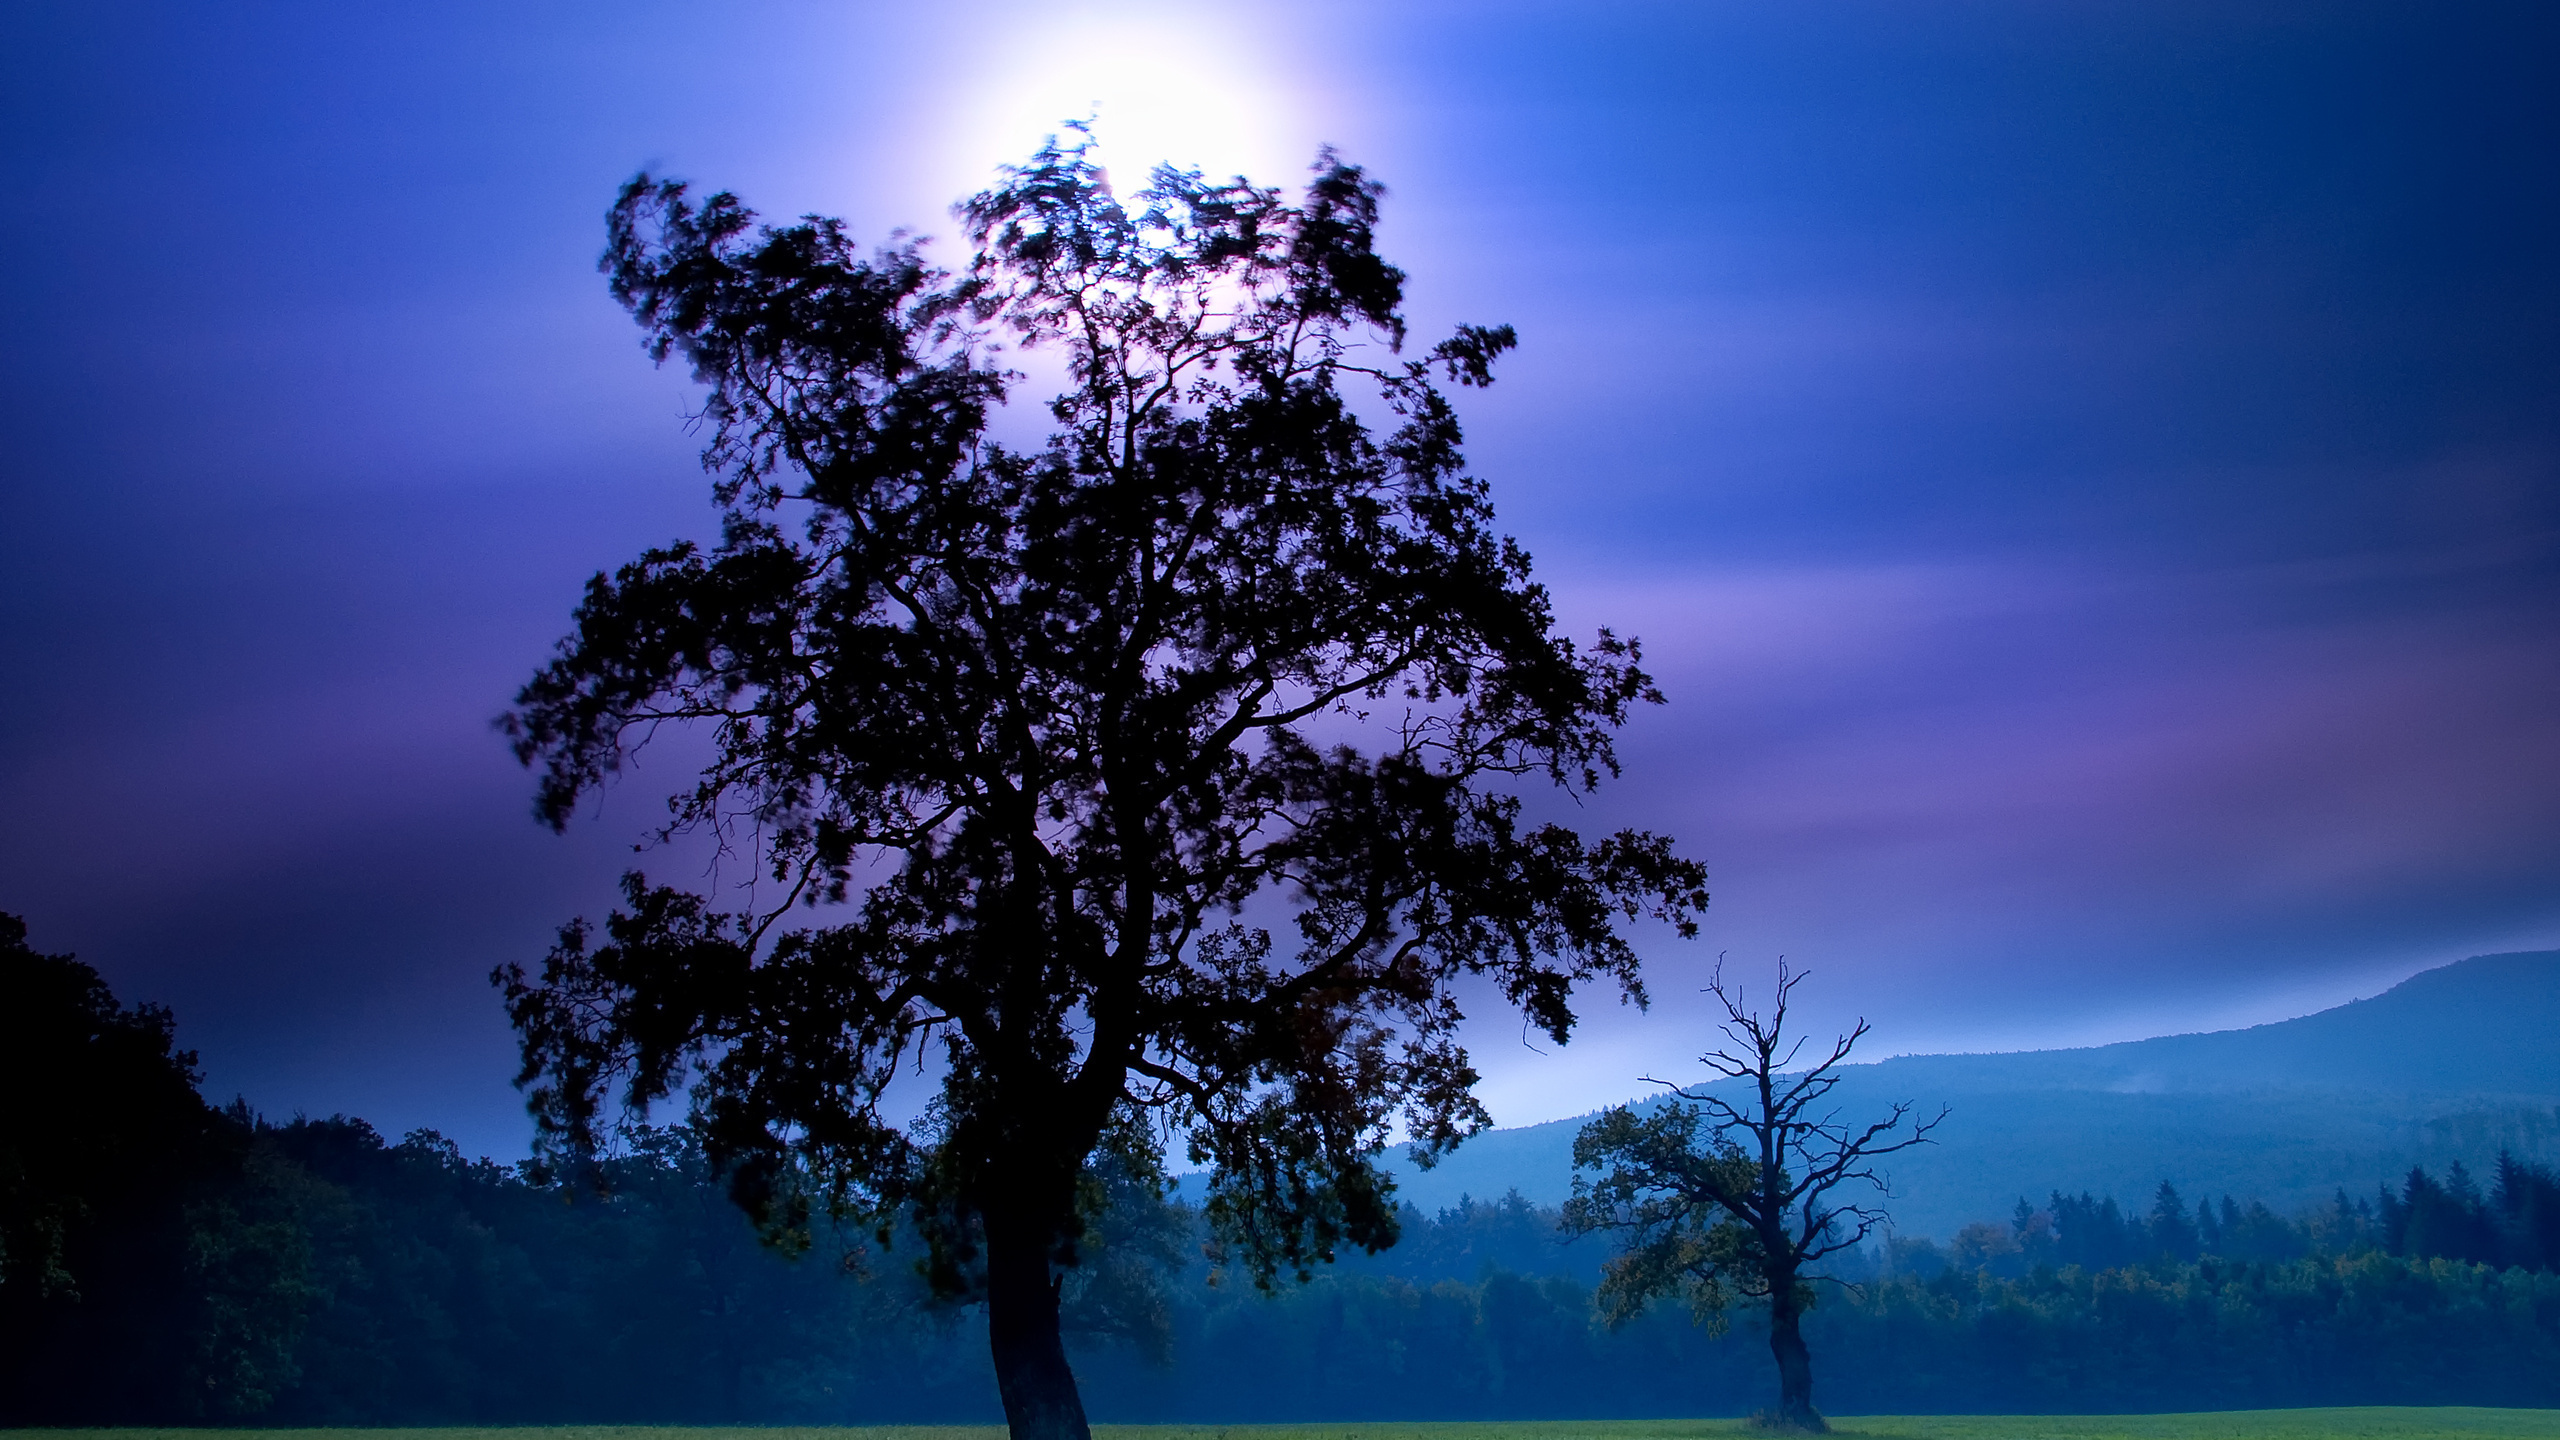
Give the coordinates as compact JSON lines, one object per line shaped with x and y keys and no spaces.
{"x":1795,"y":1363}
{"x":1039,"y":1390}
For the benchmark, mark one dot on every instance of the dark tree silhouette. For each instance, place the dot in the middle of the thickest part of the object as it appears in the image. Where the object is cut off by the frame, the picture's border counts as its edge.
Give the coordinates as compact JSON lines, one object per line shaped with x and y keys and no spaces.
{"x":109,"y":1105}
{"x":119,"y":1298}
{"x":1155,"y":784}
{"x":2172,"y":1232}
{"x":1717,"y":1193}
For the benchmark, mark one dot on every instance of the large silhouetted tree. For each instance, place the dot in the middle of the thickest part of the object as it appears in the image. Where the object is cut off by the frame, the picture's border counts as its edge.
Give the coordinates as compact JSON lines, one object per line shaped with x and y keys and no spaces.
{"x":1150,"y":784}
{"x":1729,"y":1187}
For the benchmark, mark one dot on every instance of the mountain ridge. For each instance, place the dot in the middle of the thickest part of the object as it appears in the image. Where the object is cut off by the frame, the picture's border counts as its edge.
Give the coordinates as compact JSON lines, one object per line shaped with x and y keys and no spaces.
{"x":2451,"y":1064}
{"x":2511,"y":1000}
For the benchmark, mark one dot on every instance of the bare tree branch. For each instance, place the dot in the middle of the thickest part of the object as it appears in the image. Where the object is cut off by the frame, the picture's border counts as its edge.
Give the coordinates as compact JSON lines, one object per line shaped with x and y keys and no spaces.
{"x":1716,"y":1193}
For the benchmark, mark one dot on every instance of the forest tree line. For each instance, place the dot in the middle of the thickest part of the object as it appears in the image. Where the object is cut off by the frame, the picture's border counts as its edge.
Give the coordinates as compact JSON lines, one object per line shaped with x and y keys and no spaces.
{"x":2513,"y":1224}
{"x":165,"y":1261}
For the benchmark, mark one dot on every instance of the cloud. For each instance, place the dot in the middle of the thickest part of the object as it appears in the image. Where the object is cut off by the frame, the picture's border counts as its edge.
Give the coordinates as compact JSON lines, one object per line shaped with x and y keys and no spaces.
{"x":2010,"y":803}
{"x":2086,"y":475}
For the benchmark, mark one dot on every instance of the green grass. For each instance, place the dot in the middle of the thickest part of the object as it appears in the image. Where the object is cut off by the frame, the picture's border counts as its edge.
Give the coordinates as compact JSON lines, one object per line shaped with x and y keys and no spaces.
{"x":2368,"y":1423}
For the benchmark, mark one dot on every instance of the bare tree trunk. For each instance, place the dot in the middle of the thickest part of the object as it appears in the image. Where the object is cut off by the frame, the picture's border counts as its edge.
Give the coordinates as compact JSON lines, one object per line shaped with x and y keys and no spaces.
{"x":1795,"y":1362}
{"x":1039,"y":1390}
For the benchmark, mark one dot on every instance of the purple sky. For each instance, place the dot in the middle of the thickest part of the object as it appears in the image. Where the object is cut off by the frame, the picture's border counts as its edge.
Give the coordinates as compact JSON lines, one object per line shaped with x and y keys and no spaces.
{"x":2089,"y":474}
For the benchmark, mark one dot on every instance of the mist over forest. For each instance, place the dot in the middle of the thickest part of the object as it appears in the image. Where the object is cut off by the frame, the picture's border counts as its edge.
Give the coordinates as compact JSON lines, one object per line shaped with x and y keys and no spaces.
{"x":174,"y":1262}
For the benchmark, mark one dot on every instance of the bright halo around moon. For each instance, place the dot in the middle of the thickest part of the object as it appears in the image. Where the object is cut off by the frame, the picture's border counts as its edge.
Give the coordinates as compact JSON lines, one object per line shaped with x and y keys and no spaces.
{"x":1158,"y":86}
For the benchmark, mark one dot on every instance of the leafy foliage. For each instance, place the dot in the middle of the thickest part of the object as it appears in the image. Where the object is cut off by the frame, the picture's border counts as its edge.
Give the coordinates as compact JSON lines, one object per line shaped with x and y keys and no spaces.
{"x":120,"y":1101}
{"x":1059,"y":727}
{"x":132,"y":1262}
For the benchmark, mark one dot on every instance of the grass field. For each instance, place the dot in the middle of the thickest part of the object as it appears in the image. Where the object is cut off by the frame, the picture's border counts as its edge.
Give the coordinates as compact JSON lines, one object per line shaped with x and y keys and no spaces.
{"x":2371,"y":1423}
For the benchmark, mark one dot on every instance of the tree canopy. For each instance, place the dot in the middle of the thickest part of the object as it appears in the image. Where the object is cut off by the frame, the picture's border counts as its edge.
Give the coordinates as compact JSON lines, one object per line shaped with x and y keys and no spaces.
{"x":1154,"y":783}
{"x":120,"y":1111}
{"x":121,"y":1272}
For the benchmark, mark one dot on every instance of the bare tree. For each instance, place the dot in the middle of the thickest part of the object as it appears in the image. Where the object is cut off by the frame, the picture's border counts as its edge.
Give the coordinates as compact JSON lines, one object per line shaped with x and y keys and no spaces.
{"x":1718,"y":1193}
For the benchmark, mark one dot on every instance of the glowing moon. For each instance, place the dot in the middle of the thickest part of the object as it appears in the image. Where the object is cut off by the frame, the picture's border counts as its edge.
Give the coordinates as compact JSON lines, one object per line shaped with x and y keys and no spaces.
{"x":1159,"y":87}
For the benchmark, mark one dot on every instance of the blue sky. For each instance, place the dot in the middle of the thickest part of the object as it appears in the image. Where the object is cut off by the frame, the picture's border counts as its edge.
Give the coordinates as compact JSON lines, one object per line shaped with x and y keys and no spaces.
{"x":2089,"y":474}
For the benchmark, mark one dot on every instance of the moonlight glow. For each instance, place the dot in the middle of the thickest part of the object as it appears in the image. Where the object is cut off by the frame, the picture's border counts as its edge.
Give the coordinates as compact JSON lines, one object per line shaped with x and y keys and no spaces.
{"x":1187,"y":92}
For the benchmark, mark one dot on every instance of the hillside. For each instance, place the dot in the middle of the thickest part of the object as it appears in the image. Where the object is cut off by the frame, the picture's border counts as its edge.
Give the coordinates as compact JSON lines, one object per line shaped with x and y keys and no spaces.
{"x":2452,"y":1064}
